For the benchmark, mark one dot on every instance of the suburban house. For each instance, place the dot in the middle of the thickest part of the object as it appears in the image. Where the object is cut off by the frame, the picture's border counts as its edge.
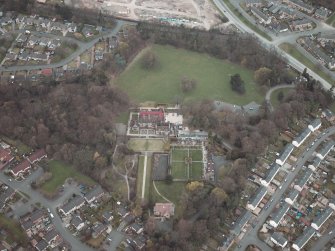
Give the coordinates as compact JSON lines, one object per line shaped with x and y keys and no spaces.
{"x":329,"y":115}
{"x":301,"y":137}
{"x":94,"y":194}
{"x":34,"y":222}
{"x":71,"y":27}
{"x":273,"y":170}
{"x":299,"y":185}
{"x":263,"y":18}
{"x":164,"y":210}
{"x":254,"y":3}
{"x":285,"y":154}
{"x":315,"y":124}
{"x":301,"y":24}
{"x":279,"y":239}
{"x":123,"y":212}
{"x":301,"y":5}
{"x":322,"y":13}
{"x":37,"y":156}
{"x":136,"y":228}
{"x":98,"y":229}
{"x":304,"y":238}
{"x":257,"y":198}
{"x":286,"y":13}
{"x":322,"y":218}
{"x":41,"y":245}
{"x":275,"y":220}
{"x":332,"y":204}
{"x":315,"y":164}
{"x":5,"y":157}
{"x":241,"y":222}
{"x":52,"y":237}
{"x":292,"y":196}
{"x":326,"y":149}
{"x":22,"y":38}
{"x":72,"y":205}
{"x":193,"y":135}
{"x":107,"y":216}
{"x":77,"y":223}
{"x":21,"y":168}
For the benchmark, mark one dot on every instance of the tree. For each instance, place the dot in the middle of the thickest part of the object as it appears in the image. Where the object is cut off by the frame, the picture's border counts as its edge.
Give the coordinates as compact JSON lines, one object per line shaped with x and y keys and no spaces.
{"x":280,"y":96}
{"x":149,"y":61}
{"x":188,"y":84}
{"x":237,"y":84}
{"x":263,"y":76}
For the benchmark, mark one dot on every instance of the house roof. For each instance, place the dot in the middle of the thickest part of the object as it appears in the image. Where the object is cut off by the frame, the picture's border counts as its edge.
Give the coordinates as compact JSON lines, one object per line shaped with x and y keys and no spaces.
{"x":315,"y":123}
{"x":4,"y":197}
{"x":305,"y":237}
{"x":319,"y":220}
{"x":42,"y":245}
{"x":78,"y":200}
{"x":316,"y":162}
{"x":302,"y":136}
{"x":302,"y":4}
{"x":37,"y":155}
{"x":164,"y":209}
{"x":47,"y":72}
{"x":49,"y":236}
{"x":273,"y":170}
{"x":259,"y":14}
{"x":5,"y":157}
{"x":302,"y":180}
{"x":259,"y":195}
{"x":76,"y":221}
{"x":98,"y":228}
{"x":38,"y":214}
{"x":326,"y":149}
{"x":22,"y":167}
{"x":122,"y":211}
{"x":293,"y":195}
{"x":107,"y":215}
{"x":241,"y":222}
{"x":94,"y":193}
{"x":279,"y":238}
{"x":281,"y":213}
{"x":286,"y":152}
{"x":136,"y":227}
{"x":303,"y":21}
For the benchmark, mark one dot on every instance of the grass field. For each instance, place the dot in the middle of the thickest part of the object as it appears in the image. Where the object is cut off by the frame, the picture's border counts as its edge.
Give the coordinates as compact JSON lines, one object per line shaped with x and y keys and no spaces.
{"x":274,"y":96}
{"x":196,"y":155}
{"x":162,"y":84}
{"x":179,"y":170}
{"x":196,"y":171}
{"x":179,"y":154}
{"x":60,"y":172}
{"x":290,"y":49}
{"x":246,"y":22}
{"x":331,"y":20}
{"x":139,"y":145}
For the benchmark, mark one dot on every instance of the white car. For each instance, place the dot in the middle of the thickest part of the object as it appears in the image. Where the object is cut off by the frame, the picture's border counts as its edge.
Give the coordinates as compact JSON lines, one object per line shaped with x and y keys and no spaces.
{"x":51,"y":215}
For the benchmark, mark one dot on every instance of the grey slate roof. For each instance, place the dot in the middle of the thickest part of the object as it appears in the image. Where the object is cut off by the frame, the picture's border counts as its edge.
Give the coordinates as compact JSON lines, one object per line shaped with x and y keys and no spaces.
{"x":72,"y":204}
{"x":274,"y":168}
{"x":293,"y":195}
{"x":302,"y":136}
{"x":305,"y":237}
{"x":94,"y":193}
{"x":279,"y":237}
{"x":315,"y":122}
{"x":304,"y":178}
{"x":325,"y":150}
{"x":259,"y":195}
{"x":281,"y":213}
{"x":323,"y":217}
{"x":240,"y":223}
{"x":286,"y":152}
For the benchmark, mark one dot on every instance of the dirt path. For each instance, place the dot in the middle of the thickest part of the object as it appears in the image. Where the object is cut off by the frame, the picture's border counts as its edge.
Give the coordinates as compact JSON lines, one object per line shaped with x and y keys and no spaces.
{"x":161,"y":195}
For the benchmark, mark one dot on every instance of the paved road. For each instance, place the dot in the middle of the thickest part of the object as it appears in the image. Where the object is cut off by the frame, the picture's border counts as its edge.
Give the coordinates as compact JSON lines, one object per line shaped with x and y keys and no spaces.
{"x":82,"y":48}
{"x":251,"y":236}
{"x":271,"y":45}
{"x":36,"y":197}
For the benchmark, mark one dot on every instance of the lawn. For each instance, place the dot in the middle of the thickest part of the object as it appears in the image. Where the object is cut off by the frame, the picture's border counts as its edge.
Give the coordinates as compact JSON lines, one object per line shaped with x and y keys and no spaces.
{"x":15,"y":232}
{"x":290,"y":49}
{"x":274,"y":96}
{"x":196,"y":155}
{"x":60,"y":172}
{"x":179,"y":154}
{"x":331,"y":20}
{"x":245,"y":21}
{"x":123,"y":117}
{"x":162,"y":84}
{"x":139,"y":145}
{"x":179,"y":170}
{"x":196,"y":171}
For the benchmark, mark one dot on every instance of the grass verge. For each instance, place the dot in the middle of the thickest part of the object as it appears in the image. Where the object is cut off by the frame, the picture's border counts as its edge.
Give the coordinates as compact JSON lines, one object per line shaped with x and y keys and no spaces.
{"x":245,"y":21}
{"x":15,"y":232}
{"x":331,"y":20}
{"x":293,"y":51}
{"x":60,"y":172}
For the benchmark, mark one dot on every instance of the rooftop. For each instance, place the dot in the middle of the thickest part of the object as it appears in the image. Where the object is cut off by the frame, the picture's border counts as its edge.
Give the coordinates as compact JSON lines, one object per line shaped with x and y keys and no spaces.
{"x":240,"y":223}
{"x":302,"y":180}
{"x":281,"y":213}
{"x":304,"y":238}
{"x":259,"y":195}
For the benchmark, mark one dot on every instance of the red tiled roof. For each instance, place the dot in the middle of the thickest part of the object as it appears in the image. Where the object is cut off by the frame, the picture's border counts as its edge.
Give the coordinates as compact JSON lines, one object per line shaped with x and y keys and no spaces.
{"x":22,"y":167}
{"x":5,"y":157}
{"x":47,"y":72}
{"x":164,"y":209}
{"x":36,"y":156}
{"x":152,"y":113}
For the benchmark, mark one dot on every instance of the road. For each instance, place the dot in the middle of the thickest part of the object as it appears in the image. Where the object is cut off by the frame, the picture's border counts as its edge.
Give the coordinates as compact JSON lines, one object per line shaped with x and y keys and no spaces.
{"x":251,"y":236}
{"x":327,"y":237}
{"x":271,"y":44}
{"x":82,"y":48}
{"x":35,"y":197}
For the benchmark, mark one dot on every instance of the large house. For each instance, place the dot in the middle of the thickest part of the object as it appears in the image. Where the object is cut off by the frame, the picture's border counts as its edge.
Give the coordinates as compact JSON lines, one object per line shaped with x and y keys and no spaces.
{"x":164,"y":210}
{"x":5,"y":157}
{"x":21,"y":168}
{"x":37,"y":156}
